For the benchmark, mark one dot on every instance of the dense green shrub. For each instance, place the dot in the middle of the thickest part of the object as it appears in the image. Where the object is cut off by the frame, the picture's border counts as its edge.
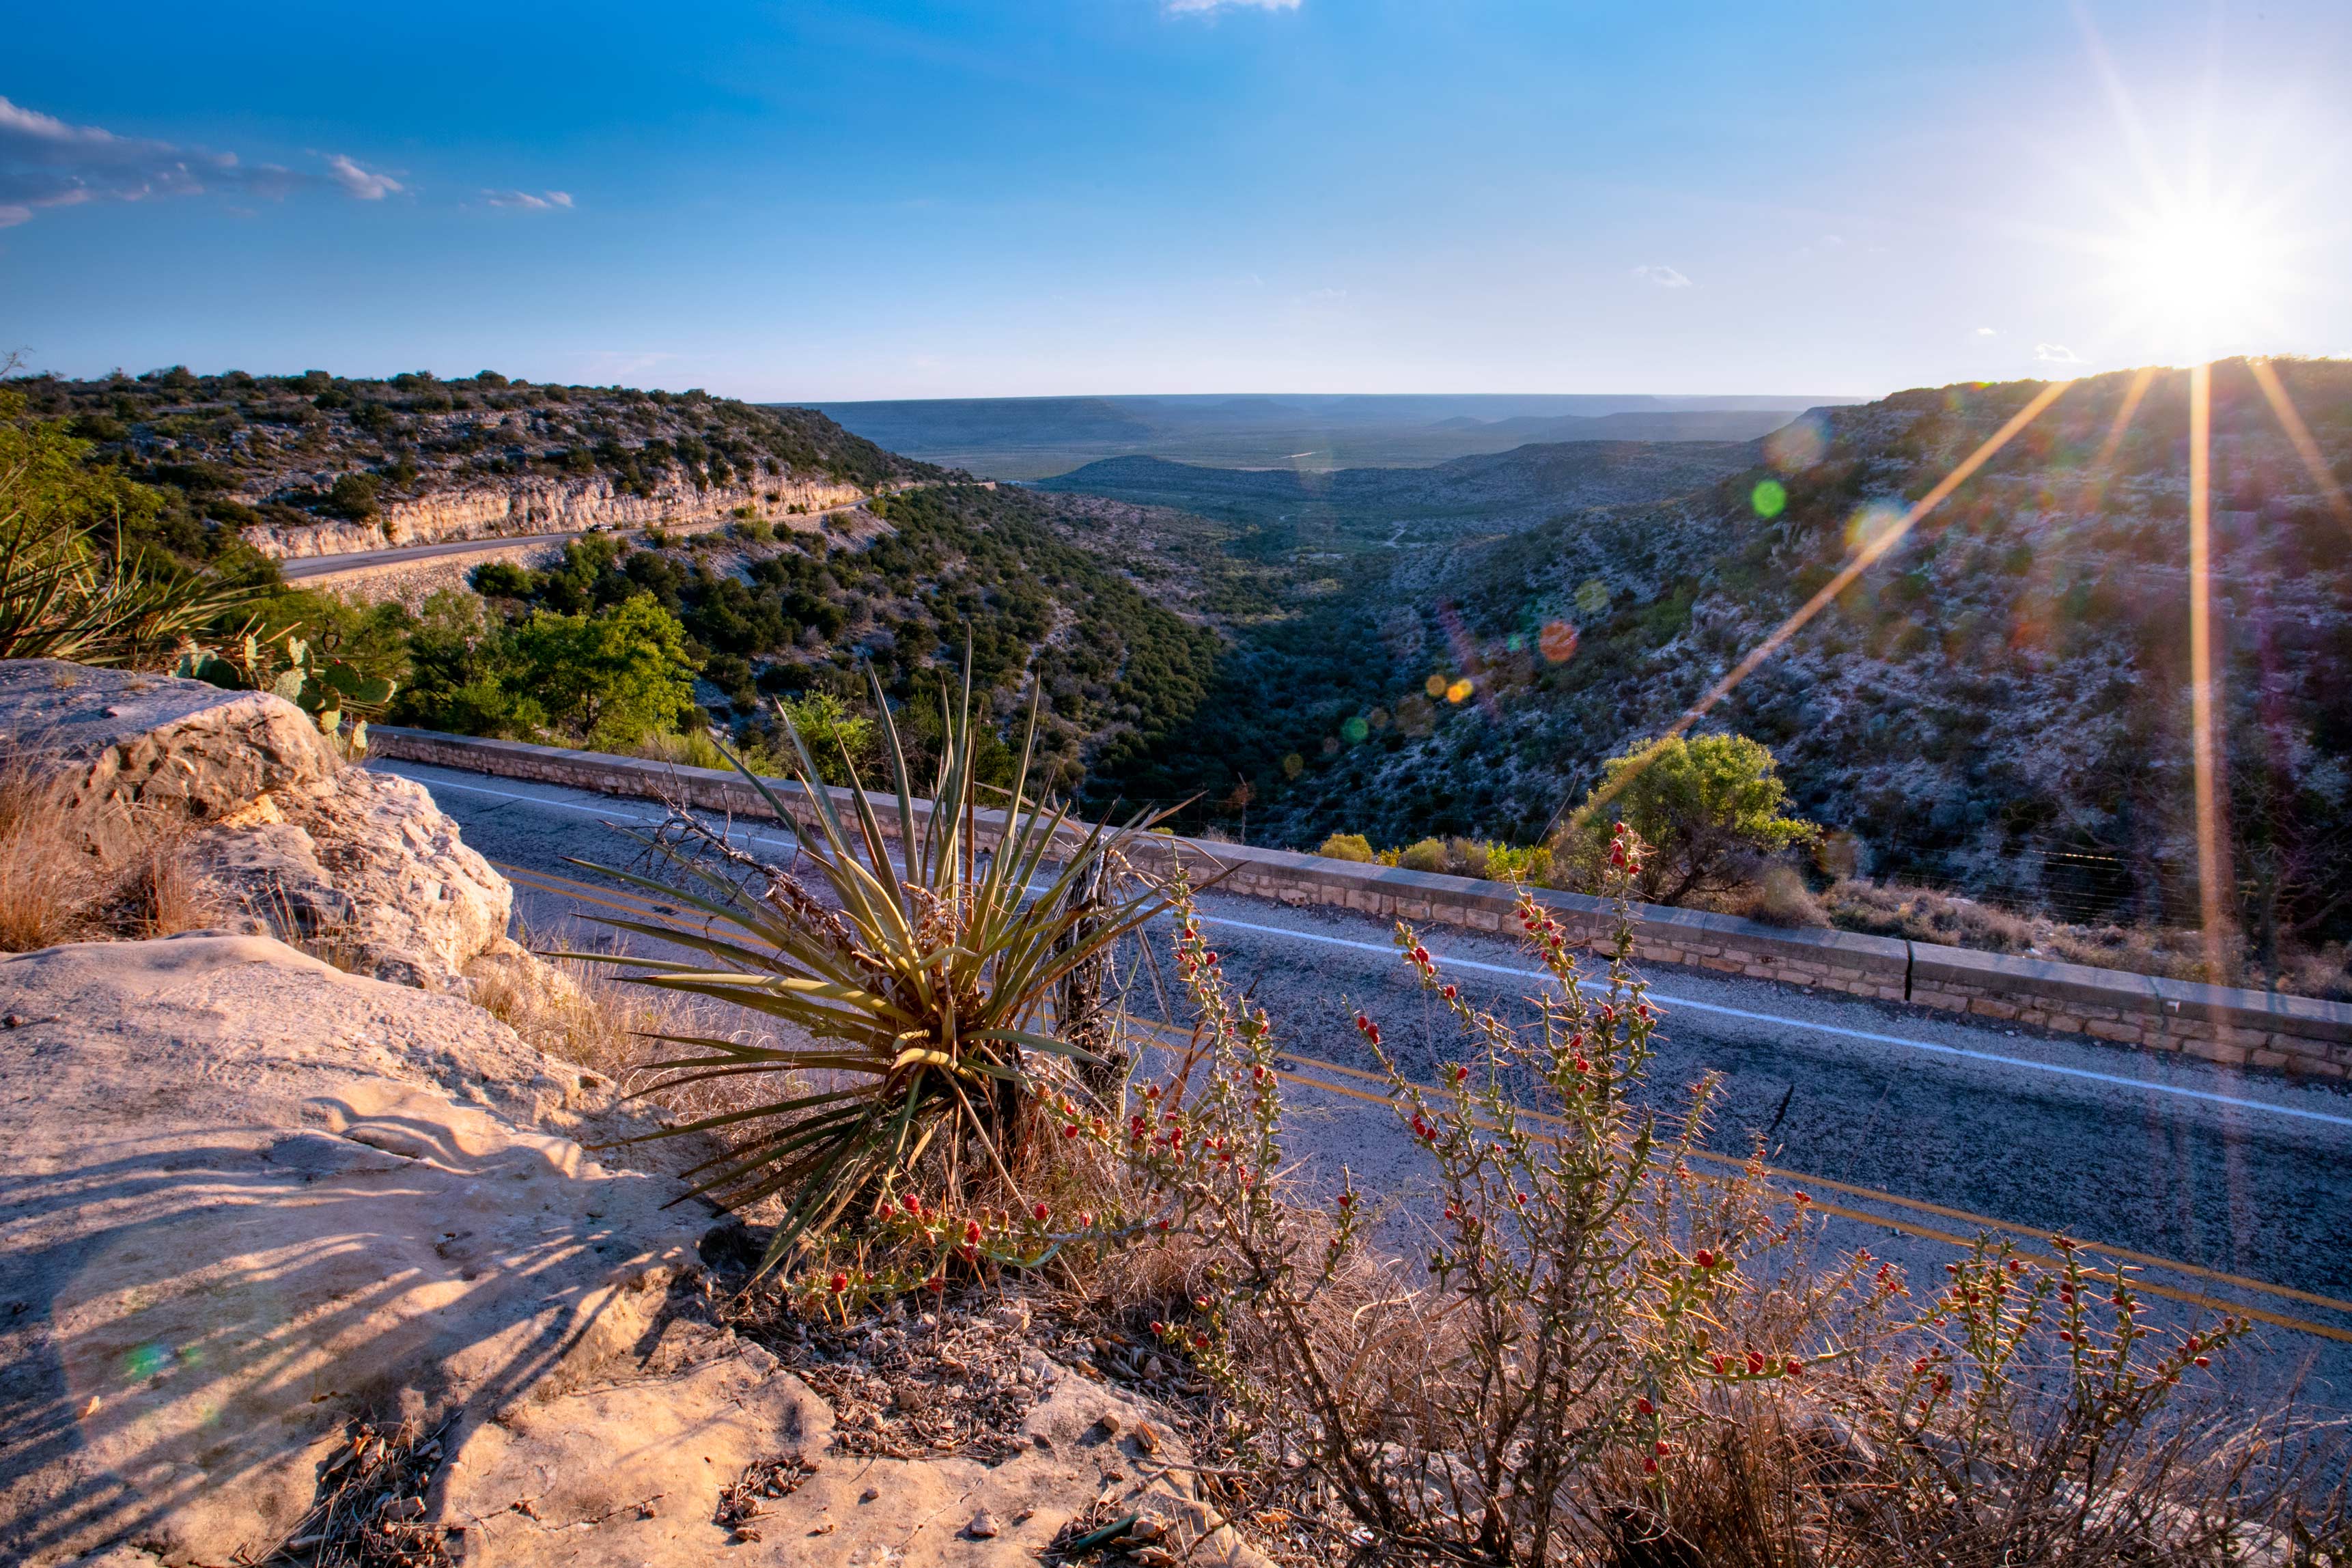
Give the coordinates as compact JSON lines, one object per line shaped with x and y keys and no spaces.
{"x":1709,"y":806}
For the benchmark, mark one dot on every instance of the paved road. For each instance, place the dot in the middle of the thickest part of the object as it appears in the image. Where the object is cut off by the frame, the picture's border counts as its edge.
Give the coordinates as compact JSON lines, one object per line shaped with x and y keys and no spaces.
{"x":2228,"y":1171}
{"x":296,"y":568}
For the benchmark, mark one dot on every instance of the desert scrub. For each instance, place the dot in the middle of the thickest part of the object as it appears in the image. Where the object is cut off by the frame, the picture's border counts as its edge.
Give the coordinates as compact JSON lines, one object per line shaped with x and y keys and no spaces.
{"x":1583,"y":1282}
{"x":1608,"y":1358}
{"x":1352,"y":846}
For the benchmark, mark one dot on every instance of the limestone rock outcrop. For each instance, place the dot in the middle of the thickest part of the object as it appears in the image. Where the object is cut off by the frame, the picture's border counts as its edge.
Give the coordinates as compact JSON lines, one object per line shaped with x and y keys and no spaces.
{"x":249,"y":1202}
{"x":282,"y":836}
{"x":541,"y":505}
{"x":124,"y":742}
{"x":371,"y":870}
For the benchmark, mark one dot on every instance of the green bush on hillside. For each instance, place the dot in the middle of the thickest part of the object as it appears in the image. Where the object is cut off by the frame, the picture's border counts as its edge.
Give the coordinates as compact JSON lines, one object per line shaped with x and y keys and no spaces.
{"x":1709,"y":806}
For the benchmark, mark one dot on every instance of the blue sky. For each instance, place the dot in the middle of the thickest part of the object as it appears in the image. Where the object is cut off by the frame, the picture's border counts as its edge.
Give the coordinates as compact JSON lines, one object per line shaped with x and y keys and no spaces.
{"x":821,"y":200}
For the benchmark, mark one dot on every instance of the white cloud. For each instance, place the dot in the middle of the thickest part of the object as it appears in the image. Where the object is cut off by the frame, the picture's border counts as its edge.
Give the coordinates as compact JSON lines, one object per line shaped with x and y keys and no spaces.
{"x":1209,"y":8}
{"x":1987,"y":331}
{"x":2056,"y":353}
{"x":46,"y":162}
{"x":1664,"y":277}
{"x":529,"y":201}
{"x":365,"y":184}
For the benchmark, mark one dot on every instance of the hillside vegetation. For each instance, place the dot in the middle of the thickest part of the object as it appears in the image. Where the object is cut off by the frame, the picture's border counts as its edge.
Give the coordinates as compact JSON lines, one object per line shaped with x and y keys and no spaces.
{"x":2000,"y":704}
{"x":235,"y":451}
{"x":951,"y":567}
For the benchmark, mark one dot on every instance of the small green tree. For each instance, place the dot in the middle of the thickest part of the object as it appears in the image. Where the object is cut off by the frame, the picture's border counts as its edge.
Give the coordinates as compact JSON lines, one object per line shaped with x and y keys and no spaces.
{"x":611,"y":678}
{"x":1708,"y":805}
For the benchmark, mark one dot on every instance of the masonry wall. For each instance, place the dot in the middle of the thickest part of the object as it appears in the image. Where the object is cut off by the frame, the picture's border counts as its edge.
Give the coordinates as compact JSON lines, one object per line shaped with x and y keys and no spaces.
{"x":2220,"y":1024}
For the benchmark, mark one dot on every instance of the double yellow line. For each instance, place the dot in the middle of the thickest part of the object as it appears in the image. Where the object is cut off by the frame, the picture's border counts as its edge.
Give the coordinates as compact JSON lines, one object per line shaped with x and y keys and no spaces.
{"x":651,"y":912}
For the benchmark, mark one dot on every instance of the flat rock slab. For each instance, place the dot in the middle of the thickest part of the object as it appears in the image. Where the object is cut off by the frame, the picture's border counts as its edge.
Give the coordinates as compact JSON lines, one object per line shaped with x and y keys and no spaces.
{"x":245,"y":1199}
{"x":248,"y":1200}
{"x":127,"y":740}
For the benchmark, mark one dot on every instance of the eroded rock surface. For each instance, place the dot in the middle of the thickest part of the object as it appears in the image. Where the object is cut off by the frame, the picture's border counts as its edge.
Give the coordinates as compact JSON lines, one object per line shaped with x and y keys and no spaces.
{"x":371,"y":870}
{"x":124,"y":741}
{"x":248,"y":1200}
{"x":282,"y":838}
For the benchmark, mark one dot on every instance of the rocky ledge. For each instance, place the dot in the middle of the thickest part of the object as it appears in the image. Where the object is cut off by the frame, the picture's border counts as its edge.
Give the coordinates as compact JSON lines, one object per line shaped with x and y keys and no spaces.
{"x":279,"y":836}
{"x":297,"y":1262}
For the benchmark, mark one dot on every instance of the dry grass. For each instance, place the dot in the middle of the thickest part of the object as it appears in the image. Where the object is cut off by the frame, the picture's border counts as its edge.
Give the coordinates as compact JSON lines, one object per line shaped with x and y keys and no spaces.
{"x":43,"y":874}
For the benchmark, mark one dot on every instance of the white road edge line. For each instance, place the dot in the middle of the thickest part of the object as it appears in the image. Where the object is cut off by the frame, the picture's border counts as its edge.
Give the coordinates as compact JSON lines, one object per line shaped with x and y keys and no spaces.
{"x":2027,"y":1063}
{"x":1696,"y":1006}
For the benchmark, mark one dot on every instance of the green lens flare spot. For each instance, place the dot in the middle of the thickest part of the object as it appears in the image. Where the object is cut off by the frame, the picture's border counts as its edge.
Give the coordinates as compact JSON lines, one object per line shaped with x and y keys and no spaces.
{"x":1354,"y":731}
{"x":1771,"y":498}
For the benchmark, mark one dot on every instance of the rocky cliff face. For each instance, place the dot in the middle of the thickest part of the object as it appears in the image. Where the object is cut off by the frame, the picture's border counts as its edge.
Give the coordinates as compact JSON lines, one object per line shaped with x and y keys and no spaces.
{"x":546,"y":506}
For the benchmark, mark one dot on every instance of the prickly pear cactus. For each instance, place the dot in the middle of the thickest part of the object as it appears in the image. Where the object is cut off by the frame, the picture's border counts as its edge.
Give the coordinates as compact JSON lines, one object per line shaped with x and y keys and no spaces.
{"x":286,"y":666}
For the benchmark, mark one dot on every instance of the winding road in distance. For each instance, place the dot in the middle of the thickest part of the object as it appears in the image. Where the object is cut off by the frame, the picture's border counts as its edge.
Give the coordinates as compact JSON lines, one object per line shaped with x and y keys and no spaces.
{"x":2236,"y":1187}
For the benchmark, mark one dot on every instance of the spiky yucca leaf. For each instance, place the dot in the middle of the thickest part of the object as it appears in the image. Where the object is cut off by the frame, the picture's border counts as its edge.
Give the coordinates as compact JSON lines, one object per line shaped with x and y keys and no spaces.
{"x":924,"y":981}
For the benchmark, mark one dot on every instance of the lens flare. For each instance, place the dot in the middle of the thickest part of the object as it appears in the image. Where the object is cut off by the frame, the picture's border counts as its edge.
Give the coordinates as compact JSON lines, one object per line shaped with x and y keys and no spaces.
{"x":1591,"y":597}
{"x":1558,"y":642}
{"x":1871,"y":524}
{"x":1354,"y":731}
{"x":1458,"y":693}
{"x":1769,"y":499}
{"x":1798,"y":444}
{"x":1435,"y":686}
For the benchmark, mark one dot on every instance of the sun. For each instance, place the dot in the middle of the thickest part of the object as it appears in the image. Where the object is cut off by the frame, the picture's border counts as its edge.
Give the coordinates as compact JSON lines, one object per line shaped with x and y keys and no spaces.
{"x":2199,"y":274}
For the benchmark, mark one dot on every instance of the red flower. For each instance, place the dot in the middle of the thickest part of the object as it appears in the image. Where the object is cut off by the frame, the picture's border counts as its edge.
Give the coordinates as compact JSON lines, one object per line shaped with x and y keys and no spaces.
{"x":1648,"y":1467}
{"x":1040,"y":1212}
{"x":1664,"y":1447}
{"x":1447,"y":992}
{"x":1793,"y":1366}
{"x":1755,"y":1360}
{"x":837,"y":1284}
{"x":1460,"y":1074}
{"x":936,"y":1282}
{"x":1644,"y":1406}
{"x":1703,"y":1258}
{"x":971,"y":1230}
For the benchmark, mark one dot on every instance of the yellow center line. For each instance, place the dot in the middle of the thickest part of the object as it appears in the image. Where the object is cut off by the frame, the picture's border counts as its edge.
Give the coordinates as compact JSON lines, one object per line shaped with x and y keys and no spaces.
{"x":1167,"y":1034}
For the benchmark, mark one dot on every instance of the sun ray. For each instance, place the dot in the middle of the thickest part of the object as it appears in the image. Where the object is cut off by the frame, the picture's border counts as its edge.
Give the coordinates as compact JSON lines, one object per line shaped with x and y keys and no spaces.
{"x":2210,"y":871}
{"x":1869,"y":555}
{"x":2291,"y":420}
{"x":1861,"y":561}
{"x":2141,"y":380}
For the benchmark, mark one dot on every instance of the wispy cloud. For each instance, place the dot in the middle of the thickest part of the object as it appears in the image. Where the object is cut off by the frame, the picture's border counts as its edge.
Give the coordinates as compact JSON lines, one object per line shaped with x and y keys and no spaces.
{"x":2057,"y":353}
{"x":46,"y":162}
{"x":1209,"y":8}
{"x":1987,"y":331}
{"x":1664,"y":277}
{"x":529,"y":201}
{"x":362,"y":184}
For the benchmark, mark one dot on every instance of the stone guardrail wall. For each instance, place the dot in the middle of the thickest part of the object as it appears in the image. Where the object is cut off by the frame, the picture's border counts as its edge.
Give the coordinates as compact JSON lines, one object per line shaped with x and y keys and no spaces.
{"x":2217,"y":1024}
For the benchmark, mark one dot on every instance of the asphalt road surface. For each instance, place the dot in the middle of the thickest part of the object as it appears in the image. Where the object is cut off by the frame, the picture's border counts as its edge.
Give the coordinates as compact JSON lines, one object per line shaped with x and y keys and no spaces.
{"x":2232,"y":1187}
{"x":295,"y":569}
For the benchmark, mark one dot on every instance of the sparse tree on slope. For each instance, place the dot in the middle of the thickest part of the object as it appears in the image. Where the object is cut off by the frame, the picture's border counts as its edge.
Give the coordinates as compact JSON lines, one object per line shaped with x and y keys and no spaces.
{"x":1708,"y":806}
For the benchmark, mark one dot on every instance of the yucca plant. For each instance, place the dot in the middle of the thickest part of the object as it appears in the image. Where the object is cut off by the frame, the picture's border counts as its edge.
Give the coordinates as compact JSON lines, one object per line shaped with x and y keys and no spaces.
{"x":926,"y":983}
